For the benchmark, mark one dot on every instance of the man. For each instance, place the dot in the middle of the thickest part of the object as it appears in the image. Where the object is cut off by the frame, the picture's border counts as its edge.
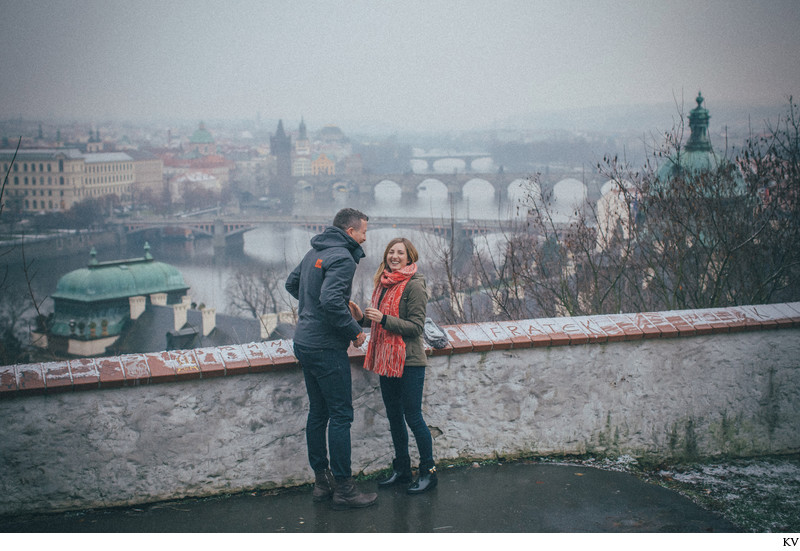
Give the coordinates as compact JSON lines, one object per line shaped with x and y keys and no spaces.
{"x":322,"y":282}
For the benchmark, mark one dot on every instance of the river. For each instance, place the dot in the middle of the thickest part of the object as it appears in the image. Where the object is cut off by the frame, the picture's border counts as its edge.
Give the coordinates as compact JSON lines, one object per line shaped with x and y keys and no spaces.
{"x":207,"y":274}
{"x":284,"y":247}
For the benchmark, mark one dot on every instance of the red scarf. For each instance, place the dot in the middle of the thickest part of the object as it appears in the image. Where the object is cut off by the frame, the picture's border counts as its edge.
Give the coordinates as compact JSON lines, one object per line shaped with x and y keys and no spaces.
{"x":386,"y":352}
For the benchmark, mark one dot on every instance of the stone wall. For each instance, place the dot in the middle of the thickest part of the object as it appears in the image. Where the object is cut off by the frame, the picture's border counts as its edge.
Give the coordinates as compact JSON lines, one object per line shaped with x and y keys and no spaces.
{"x":662,"y":386}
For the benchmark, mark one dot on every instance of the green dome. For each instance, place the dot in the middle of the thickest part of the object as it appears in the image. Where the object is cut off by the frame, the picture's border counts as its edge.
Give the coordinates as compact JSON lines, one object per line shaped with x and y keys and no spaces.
{"x":688,"y":163}
{"x":697,"y":156}
{"x":119,"y":279}
{"x":201,"y":135}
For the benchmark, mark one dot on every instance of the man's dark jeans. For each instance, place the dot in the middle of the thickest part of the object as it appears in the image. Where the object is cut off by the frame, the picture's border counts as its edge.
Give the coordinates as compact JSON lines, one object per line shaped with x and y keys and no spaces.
{"x":402,"y":397}
{"x":329,"y":388}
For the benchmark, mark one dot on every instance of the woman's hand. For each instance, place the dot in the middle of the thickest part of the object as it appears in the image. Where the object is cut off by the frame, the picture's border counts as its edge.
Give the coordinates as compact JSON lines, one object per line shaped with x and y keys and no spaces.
{"x":355,"y":311}
{"x":373,"y":314}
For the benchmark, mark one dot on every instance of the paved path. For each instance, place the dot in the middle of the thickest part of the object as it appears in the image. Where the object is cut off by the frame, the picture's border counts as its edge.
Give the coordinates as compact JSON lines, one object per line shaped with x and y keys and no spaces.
{"x":515,"y":497}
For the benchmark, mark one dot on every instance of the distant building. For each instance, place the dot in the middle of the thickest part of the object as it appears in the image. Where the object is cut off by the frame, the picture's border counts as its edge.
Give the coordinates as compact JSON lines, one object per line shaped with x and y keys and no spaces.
{"x":95,"y":144}
{"x":108,"y":174}
{"x":322,"y":165}
{"x":42,"y":180}
{"x":333,"y":143}
{"x":54,"y":180}
{"x":301,"y":166}
{"x":281,"y":148}
{"x":250,"y":171}
{"x":301,"y":161}
{"x":199,"y":162}
{"x":50,"y":180}
{"x":202,"y":141}
{"x":302,"y":146}
{"x":148,"y":174}
{"x":189,"y":181}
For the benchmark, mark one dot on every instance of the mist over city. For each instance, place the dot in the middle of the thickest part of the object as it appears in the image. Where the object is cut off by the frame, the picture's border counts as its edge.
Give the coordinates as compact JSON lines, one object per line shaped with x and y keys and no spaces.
{"x":392,"y":67}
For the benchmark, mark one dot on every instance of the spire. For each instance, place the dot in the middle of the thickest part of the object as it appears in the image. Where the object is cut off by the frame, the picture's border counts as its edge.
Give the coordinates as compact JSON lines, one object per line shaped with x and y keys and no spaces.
{"x":93,"y":257}
{"x":147,"y":255}
{"x":698,"y":122}
{"x":280,"y":133}
{"x":302,"y":129}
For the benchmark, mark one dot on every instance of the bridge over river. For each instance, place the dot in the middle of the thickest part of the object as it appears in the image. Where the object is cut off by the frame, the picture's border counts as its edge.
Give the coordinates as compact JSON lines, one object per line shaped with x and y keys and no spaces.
{"x":455,"y":185}
{"x":228,"y":230}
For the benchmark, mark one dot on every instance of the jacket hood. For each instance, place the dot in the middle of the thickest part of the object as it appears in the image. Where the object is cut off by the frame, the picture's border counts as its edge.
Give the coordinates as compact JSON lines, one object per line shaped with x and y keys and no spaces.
{"x":336,"y":237}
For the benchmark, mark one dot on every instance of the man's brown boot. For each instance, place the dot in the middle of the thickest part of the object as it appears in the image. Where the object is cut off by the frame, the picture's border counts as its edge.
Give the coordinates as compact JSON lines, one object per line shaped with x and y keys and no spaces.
{"x":323,"y":485}
{"x":347,"y":495}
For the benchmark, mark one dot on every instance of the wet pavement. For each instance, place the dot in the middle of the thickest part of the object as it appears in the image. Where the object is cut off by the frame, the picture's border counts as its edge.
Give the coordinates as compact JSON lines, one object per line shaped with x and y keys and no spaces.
{"x":512,"y":497}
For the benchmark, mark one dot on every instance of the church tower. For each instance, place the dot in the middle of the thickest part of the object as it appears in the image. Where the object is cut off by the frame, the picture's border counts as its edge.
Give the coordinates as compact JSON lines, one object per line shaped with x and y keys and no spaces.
{"x":301,"y":164}
{"x":303,"y":145}
{"x":697,"y":156}
{"x":281,"y":148}
{"x":698,"y":124}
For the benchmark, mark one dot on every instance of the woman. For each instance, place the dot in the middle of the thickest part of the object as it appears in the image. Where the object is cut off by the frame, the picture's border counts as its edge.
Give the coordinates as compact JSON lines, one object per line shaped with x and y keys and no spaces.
{"x":396,"y":352}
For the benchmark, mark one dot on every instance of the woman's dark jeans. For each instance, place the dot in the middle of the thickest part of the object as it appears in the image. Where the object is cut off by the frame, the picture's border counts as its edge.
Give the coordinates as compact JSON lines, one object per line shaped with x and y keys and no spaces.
{"x":329,"y":388}
{"x":402,"y":397}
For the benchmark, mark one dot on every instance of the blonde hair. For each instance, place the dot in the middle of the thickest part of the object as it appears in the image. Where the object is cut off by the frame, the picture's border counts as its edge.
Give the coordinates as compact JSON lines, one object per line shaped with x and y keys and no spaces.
{"x":411,"y":251}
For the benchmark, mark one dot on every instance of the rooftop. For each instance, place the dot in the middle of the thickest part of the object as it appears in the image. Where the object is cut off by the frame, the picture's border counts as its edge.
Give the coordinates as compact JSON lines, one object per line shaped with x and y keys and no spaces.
{"x":106,"y":157}
{"x":119,"y":279}
{"x":44,"y":154}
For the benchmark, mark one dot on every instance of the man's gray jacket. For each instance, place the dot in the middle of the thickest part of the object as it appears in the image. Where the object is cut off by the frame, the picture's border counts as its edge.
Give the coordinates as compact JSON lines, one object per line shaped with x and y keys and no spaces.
{"x":322,"y":282}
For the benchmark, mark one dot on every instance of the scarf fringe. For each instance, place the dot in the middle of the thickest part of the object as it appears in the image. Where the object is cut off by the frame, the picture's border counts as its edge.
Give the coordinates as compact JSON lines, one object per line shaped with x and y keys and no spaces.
{"x":389,"y":360}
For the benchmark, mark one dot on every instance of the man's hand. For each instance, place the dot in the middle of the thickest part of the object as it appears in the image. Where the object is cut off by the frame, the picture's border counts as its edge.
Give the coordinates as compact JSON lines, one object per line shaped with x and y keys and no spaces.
{"x":355,"y":311}
{"x":360,"y":339}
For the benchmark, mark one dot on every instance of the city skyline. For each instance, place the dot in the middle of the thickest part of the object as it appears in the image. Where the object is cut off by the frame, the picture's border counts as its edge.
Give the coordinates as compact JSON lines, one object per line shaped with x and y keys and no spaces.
{"x":425,"y":65}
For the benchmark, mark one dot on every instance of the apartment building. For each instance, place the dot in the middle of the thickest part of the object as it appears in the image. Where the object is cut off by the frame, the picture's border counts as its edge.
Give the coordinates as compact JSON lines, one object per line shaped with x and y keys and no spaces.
{"x":42,"y":180}
{"x":148,"y":173}
{"x":107,"y":174}
{"x":323,"y":165}
{"x":48,"y":180}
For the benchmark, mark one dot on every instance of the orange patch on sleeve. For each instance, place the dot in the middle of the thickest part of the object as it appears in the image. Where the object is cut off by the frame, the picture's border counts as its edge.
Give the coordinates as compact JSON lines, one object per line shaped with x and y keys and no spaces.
{"x":319,"y":263}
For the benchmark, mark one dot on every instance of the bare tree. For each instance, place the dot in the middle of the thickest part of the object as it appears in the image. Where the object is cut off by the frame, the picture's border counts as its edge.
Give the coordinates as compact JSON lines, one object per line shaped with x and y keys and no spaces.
{"x":15,"y":304}
{"x":258,"y":291}
{"x":451,"y":276}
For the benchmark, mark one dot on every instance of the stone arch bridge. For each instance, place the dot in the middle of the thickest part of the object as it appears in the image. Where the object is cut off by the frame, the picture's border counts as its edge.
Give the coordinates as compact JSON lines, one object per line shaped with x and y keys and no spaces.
{"x":227,"y":232}
{"x":468,"y":158}
{"x":410,"y":184}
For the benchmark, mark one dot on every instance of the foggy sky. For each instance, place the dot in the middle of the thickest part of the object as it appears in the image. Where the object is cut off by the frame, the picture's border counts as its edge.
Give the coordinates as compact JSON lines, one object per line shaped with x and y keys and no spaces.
{"x":411,"y":64}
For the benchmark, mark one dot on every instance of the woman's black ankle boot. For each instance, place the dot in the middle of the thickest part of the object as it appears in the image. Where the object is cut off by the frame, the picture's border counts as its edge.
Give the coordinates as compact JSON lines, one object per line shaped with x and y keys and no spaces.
{"x":401,"y":474}
{"x":427,"y":481}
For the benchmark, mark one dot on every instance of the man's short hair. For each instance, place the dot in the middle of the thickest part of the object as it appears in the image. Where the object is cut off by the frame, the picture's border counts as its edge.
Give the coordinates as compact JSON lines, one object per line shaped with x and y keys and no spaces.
{"x":349,"y":218}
